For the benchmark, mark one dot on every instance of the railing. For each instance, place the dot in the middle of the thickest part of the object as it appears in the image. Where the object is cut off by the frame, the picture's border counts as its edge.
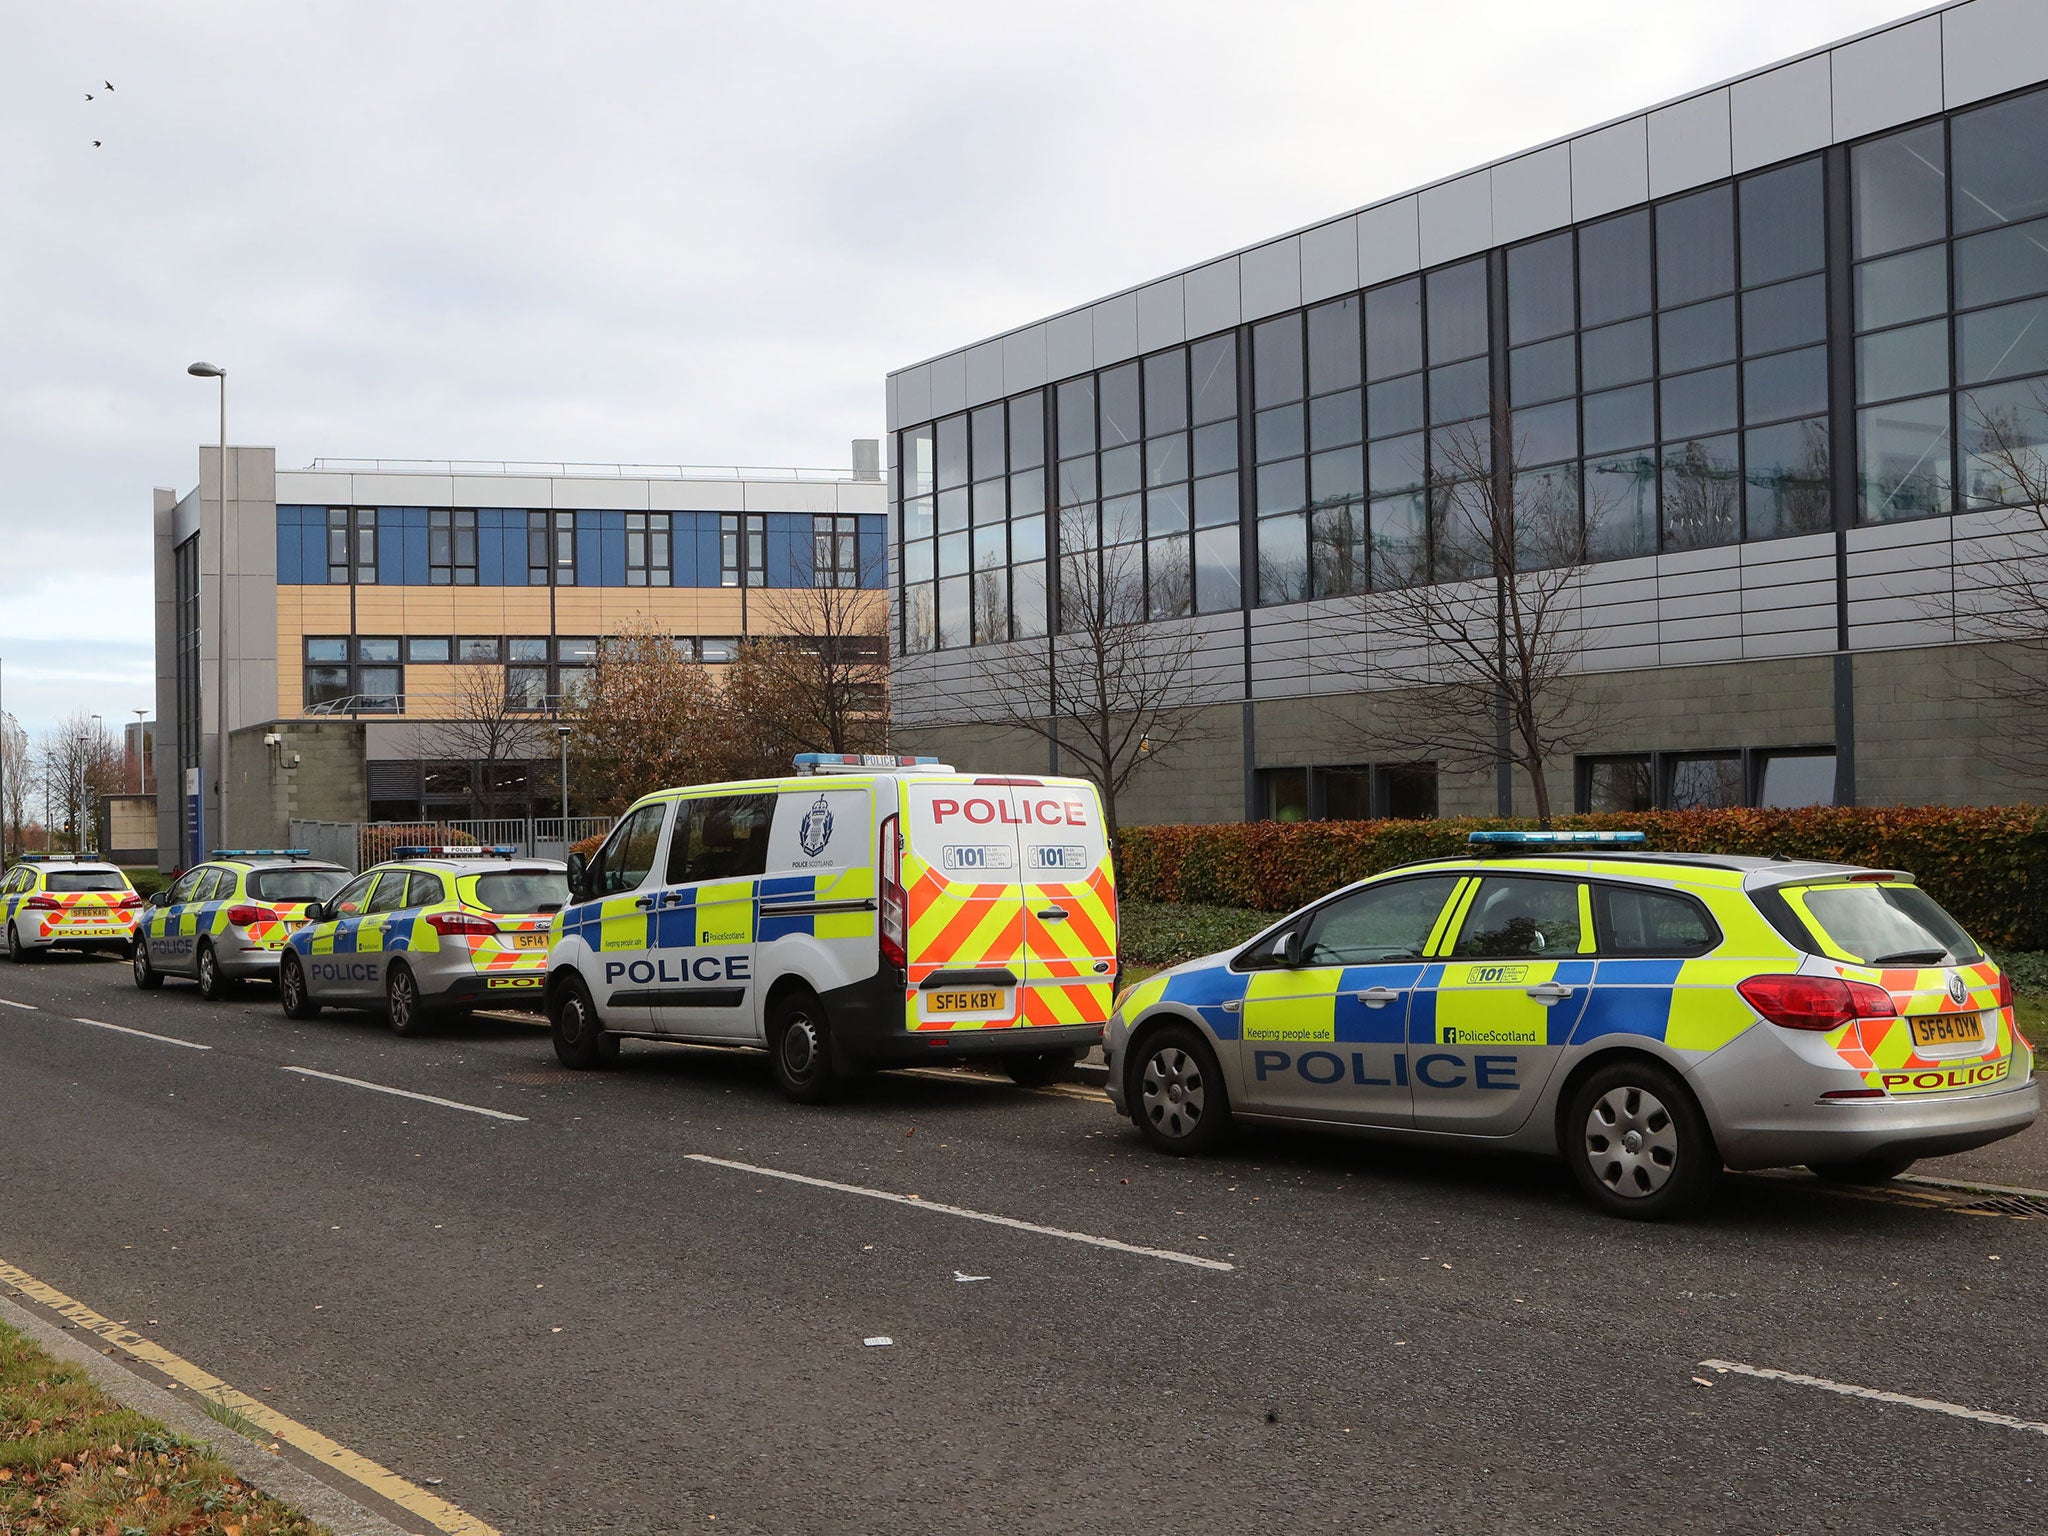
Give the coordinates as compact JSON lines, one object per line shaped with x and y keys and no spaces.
{"x":435,"y":706}
{"x":569,"y":470}
{"x":356,"y":845}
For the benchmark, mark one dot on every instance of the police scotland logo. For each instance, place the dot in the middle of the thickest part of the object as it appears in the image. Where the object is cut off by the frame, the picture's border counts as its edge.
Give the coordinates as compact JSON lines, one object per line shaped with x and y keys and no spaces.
{"x":815,"y":831}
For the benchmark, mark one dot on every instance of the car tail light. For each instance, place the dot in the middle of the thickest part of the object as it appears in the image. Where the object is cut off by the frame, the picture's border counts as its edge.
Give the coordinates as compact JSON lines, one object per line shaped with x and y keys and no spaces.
{"x":895,"y":924}
{"x":2005,"y":998}
{"x":129,"y":901}
{"x":1815,"y":1002}
{"x":43,"y":904}
{"x":450,"y":923}
{"x":244,"y":916}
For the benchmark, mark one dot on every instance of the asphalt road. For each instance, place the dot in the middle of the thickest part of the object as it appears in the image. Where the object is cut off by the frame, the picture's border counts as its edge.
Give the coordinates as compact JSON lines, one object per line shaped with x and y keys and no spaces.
{"x":579,"y":1328}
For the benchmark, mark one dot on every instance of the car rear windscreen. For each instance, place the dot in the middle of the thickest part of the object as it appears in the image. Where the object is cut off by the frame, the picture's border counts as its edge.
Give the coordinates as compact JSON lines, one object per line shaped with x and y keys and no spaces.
{"x":73,"y":880}
{"x":520,"y":890}
{"x":1888,"y":924}
{"x":296,"y":884}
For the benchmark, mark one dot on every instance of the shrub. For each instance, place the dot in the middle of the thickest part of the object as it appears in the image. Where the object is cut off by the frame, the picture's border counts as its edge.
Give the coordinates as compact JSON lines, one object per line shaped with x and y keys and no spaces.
{"x":380,"y":842}
{"x":1987,"y":866}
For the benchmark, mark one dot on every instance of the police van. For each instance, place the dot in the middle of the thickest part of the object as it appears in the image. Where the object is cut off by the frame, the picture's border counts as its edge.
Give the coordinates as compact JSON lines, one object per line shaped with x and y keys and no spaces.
{"x":869,"y":911}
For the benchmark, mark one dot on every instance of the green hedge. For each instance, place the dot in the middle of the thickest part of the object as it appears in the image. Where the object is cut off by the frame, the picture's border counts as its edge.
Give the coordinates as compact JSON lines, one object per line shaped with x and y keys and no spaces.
{"x":1988,"y":867}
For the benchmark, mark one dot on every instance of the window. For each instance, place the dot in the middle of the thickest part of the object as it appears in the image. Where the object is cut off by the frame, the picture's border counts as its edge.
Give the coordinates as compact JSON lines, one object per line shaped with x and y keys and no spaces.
{"x":1517,"y":917}
{"x":1703,"y":780}
{"x":1788,"y":779}
{"x":526,"y":689}
{"x":1355,"y":792}
{"x":390,"y":893}
{"x":186,"y":884}
{"x":451,"y":547}
{"x":539,"y":560}
{"x":1771,"y":777}
{"x":743,"y":549}
{"x":628,"y":854}
{"x":835,"y":556}
{"x":725,"y":838}
{"x":647,"y":550}
{"x":1382,"y":922}
{"x":360,"y":676}
{"x":1887,"y":923}
{"x":717,"y":649}
{"x":1632,"y":920}
{"x":351,"y":899}
{"x":429,"y":648}
{"x":1617,"y":783}
{"x":478,"y":648}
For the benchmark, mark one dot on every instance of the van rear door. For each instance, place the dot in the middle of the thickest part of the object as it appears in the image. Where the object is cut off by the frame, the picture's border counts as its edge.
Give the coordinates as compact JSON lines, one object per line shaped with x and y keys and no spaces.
{"x":1069,"y":903}
{"x":962,"y":867}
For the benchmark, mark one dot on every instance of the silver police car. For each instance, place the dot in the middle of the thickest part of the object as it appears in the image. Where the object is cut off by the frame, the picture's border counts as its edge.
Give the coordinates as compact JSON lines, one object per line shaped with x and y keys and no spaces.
{"x":226,"y":921}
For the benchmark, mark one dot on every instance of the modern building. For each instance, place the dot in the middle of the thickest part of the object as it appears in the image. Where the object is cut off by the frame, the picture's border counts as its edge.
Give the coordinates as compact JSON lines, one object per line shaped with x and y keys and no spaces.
{"x":1751,"y":340}
{"x":371,"y":620}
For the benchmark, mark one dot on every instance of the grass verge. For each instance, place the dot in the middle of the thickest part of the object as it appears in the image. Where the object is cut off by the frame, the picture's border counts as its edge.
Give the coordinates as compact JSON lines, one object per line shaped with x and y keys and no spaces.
{"x":73,"y":1461}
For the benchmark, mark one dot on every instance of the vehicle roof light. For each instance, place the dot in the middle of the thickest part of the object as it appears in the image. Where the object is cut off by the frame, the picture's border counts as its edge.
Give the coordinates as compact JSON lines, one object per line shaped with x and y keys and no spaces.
{"x":260,"y":853}
{"x":437,"y":851}
{"x":863,"y":762}
{"x":1552,"y":839}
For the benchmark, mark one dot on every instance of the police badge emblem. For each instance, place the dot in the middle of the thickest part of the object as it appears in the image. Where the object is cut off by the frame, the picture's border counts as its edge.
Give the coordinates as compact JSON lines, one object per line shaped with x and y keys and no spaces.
{"x":815,"y":831}
{"x":1958,"y":989}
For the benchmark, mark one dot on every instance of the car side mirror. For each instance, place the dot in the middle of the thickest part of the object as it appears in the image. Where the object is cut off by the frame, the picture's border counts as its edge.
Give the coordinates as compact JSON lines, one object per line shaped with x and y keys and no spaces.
{"x":316,"y":911}
{"x":579,"y":875}
{"x":158,"y":899}
{"x":1293,"y":947}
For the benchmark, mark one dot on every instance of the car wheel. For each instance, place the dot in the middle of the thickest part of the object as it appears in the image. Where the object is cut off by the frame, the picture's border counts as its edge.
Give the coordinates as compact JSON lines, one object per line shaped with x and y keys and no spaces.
{"x":1035,"y":1069}
{"x":1639,"y":1144}
{"x":1864,"y":1170}
{"x":1176,"y":1094}
{"x":800,"y":1049}
{"x":403,"y":1007}
{"x":17,"y":951}
{"x":147,"y":976}
{"x":213,"y":985}
{"x":292,"y":990}
{"x":578,"y":1033}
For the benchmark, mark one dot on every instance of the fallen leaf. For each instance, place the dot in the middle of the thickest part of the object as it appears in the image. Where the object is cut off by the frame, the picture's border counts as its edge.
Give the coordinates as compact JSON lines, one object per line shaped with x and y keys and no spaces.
{"x":1703,"y":1381}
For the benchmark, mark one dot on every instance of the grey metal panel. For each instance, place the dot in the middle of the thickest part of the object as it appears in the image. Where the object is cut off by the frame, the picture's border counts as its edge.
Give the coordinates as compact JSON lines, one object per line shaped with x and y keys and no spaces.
{"x":1887,"y":78}
{"x":1689,"y":143}
{"x":1211,"y":297}
{"x":1818,"y":618}
{"x":1069,"y":344}
{"x":1726,"y":582}
{"x":985,"y":372}
{"x":1722,"y":605}
{"x":1790,"y":642}
{"x":1803,"y":546}
{"x":890,"y":415}
{"x":1695,"y":650}
{"x":1115,"y":324}
{"x":1912,"y":584}
{"x":1915,"y":531}
{"x":1269,"y":278}
{"x":1162,"y":319}
{"x":1989,"y":46}
{"x":1899,"y":557}
{"x":1781,"y":113}
{"x":1329,"y":260}
{"x":1896,"y":633}
{"x":1792,"y":594}
{"x":1024,"y":359}
{"x":1532,"y":194}
{"x":1721,"y":557}
{"x":1674,"y":629}
{"x":320,"y":487}
{"x":1610,"y":168}
{"x":914,"y":395}
{"x":949,"y":384}
{"x":1621,"y":658}
{"x":1457,"y":218}
{"x":1787,"y":573}
{"x":1389,"y":241}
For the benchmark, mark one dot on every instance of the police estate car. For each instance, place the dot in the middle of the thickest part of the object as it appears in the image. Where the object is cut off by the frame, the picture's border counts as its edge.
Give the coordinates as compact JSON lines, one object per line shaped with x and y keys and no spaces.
{"x":226,"y":921}
{"x":72,"y":900}
{"x":1650,"y":1017}
{"x":431,"y":931}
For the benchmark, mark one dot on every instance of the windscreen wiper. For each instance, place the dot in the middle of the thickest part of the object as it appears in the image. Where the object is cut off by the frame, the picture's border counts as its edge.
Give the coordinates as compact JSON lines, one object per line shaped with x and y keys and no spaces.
{"x":1912,"y":957}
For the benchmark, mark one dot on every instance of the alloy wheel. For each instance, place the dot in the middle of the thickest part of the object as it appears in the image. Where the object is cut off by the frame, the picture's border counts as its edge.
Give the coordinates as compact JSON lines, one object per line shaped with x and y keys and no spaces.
{"x":1631,"y":1142}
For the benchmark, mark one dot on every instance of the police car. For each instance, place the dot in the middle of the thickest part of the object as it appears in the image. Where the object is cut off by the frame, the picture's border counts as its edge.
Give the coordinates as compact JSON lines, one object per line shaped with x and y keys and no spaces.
{"x":1650,"y":1017}
{"x":68,"y":900}
{"x":434,"y":930}
{"x":869,"y":911}
{"x":226,"y":921}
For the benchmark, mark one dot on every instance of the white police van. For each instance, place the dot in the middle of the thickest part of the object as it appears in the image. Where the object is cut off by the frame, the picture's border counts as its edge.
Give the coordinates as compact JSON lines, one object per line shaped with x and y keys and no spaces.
{"x":870,"y":911}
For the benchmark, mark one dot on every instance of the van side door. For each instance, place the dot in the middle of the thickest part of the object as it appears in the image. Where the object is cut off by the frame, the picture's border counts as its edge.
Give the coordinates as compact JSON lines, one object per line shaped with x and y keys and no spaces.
{"x":617,"y":923}
{"x":704,"y":980}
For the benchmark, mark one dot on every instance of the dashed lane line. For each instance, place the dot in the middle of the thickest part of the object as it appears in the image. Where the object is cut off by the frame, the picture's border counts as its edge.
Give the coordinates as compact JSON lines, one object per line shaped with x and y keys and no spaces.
{"x":940,"y":1209}
{"x":123,"y":1029}
{"x":11,"y":1003}
{"x":1873,"y":1394}
{"x":380,"y":1480}
{"x":405,"y":1093}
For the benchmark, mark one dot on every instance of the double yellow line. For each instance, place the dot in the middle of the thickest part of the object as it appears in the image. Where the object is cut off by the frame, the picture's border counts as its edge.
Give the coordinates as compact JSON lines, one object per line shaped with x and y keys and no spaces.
{"x":380,"y":1480}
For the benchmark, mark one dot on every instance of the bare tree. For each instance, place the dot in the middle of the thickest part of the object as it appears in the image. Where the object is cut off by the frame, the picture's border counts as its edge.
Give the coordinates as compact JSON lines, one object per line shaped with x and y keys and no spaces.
{"x":78,"y":762}
{"x":18,"y":764}
{"x":1114,"y":689}
{"x":484,"y":724}
{"x":2002,"y":597}
{"x":648,"y":716}
{"x":818,"y":680}
{"x":1477,"y":619}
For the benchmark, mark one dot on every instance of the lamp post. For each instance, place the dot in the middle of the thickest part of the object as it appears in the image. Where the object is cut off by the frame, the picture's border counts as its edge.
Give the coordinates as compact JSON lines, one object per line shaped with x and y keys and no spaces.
{"x":220,"y":601}
{"x":141,"y":748}
{"x":562,"y":732}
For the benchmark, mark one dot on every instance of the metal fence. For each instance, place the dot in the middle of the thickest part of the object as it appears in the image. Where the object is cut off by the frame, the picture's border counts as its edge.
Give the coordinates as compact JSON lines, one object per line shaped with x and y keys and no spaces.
{"x":356,"y":844}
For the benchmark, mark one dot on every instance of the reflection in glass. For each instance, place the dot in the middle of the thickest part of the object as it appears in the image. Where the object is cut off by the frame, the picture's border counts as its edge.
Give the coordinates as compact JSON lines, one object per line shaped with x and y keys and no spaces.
{"x":1614,"y":269}
{"x":1117,"y":404}
{"x":1782,"y":232}
{"x":1395,"y":464}
{"x":1333,"y":346}
{"x":1904,"y":467}
{"x":1704,"y":781}
{"x":1123,"y":469}
{"x":1546,"y":510}
{"x":1166,"y":511}
{"x":1400,"y":541}
{"x":1621,"y":506}
{"x":1546,"y":433}
{"x":1540,"y":289}
{"x":1027,"y":430}
{"x":1335,"y":420}
{"x":1076,"y":413}
{"x":1786,"y":480}
{"x":991,"y":457}
{"x":1394,"y":406}
{"x":1793,"y":779}
{"x":1123,"y":519}
{"x":1213,"y":367}
{"x":1215,"y":447}
{"x":1620,"y":418}
{"x":991,"y":607}
{"x":916,"y":461}
{"x":920,"y":618}
{"x":1027,"y":492}
{"x":1276,"y":360}
{"x":1169,"y":578}
{"x":1694,"y":403}
{"x":2002,"y":264}
{"x":1393,"y":329}
{"x":1077,"y":481}
{"x":1027,"y":538}
{"x":1280,"y":487}
{"x":1338,"y":552}
{"x":1457,"y":392}
{"x":1702,"y":495}
{"x":1545,"y":371}
{"x":1616,"y":354}
{"x":1909,"y":286}
{"x":1276,"y":434}
{"x":1619,"y":784}
{"x":917,"y":517}
{"x":954,"y":615}
{"x":918,"y":556}
{"x":1166,"y":392}
{"x":1462,"y":528}
{"x":991,"y":547}
{"x":1789,"y":384}
{"x":1336,"y":476}
{"x":989,"y":501}
{"x":1697,"y":336}
{"x":2001,"y":343}
{"x":1902,"y":362}
{"x":2001,"y":174}
{"x":1283,"y":560}
{"x":1695,"y":247}
{"x":1898,"y":191}
{"x":952,"y":460}
{"x":1216,"y":501}
{"x":953,"y":554}
{"x":1166,"y":459}
{"x":1027,"y":600}
{"x":1457,"y":311}
{"x":2005,"y":443}
{"x":1216,"y":583}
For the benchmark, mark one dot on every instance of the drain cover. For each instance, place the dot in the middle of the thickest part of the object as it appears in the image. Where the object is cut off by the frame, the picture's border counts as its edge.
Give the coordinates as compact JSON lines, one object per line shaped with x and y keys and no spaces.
{"x":2006,"y":1205}
{"x":540,"y":1079}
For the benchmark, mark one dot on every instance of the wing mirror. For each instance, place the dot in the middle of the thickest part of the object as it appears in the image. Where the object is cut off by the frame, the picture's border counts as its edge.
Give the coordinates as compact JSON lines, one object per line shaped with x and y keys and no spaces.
{"x":579,"y":875}
{"x":1293,"y":947}
{"x":316,"y":911}
{"x":159,"y":899}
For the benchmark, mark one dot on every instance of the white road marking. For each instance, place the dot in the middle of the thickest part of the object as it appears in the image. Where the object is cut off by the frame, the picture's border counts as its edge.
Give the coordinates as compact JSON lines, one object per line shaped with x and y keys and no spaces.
{"x":190,"y":1045}
{"x":11,"y":1003}
{"x":959,"y":1210}
{"x":1930,"y":1404}
{"x":405,"y":1093}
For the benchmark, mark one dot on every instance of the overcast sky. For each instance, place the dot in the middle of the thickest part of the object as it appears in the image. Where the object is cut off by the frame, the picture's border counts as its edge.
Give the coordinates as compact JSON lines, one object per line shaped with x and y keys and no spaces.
{"x":665,"y":232}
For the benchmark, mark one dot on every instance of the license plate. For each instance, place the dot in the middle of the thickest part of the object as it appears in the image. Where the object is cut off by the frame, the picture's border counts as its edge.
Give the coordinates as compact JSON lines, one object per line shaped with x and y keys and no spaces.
{"x":529,"y":941}
{"x":990,"y":1001}
{"x":1946,"y":1028}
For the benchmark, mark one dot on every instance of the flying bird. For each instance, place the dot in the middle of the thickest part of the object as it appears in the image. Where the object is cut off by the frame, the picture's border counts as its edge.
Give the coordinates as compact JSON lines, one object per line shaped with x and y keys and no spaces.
{"x":109,"y":85}
{"x":88,"y":95}
{"x":95,"y":143}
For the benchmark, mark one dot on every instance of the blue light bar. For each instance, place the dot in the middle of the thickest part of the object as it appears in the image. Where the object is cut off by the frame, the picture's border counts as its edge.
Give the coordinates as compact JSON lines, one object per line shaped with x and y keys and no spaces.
{"x":260,"y":853}
{"x":1552,"y":839}
{"x":859,"y":760}
{"x":467,"y":851}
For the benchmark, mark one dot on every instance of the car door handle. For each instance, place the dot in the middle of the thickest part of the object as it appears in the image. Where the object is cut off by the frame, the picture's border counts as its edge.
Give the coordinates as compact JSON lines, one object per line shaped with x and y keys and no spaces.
{"x":1550,"y":992}
{"x":1235,"y":1005}
{"x":1379,"y":997}
{"x":671,"y":898}
{"x":1053,"y":915}
{"x":644,"y":903}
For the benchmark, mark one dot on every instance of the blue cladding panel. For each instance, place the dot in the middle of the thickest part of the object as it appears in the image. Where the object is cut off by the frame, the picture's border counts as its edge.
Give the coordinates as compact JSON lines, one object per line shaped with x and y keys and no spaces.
{"x":789,"y":541}
{"x":391,"y":546}
{"x":587,"y":564}
{"x":289,"y":525}
{"x":490,"y":547}
{"x":416,"y":569}
{"x":612,"y":548}
{"x":707,"y":549}
{"x":874,"y":552}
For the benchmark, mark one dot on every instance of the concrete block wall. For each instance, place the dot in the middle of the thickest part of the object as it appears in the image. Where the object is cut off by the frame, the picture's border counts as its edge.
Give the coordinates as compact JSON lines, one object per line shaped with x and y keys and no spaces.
{"x":268,"y":792}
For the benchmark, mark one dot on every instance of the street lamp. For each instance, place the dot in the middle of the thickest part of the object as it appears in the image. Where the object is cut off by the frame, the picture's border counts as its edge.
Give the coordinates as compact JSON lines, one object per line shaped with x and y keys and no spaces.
{"x":562,"y":731}
{"x":220,"y":639}
{"x":141,"y":745}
